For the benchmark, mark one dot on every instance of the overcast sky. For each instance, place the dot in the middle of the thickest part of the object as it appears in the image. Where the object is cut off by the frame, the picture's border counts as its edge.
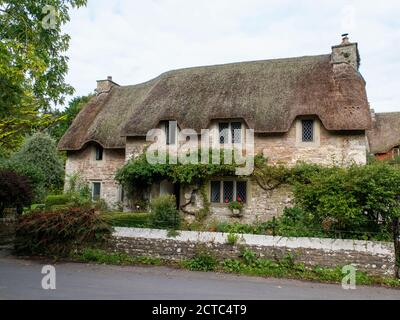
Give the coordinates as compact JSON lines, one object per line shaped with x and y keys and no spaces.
{"x":135,"y":41}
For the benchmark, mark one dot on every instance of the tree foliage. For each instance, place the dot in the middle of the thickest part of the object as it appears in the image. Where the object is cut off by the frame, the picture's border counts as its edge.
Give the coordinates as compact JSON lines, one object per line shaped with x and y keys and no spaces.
{"x":40,"y":151}
{"x":33,"y":65}
{"x":15,"y":191}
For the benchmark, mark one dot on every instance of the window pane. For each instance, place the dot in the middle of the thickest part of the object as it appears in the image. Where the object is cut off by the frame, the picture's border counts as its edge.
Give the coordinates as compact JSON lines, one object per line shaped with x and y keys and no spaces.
{"x":167,"y":132}
{"x":308,"y":130}
{"x":228,"y":191}
{"x":172,"y":132}
{"x":241,"y":191}
{"x":96,"y":190}
{"x":236,"y":132}
{"x":215,"y":191}
{"x":99,"y":153}
{"x":223,"y":132}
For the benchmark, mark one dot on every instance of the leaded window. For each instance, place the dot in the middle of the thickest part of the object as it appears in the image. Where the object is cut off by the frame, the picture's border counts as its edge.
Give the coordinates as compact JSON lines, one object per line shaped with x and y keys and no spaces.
{"x":228,"y":191}
{"x":307,"y":130}
{"x":230,"y":132}
{"x":241,"y":191}
{"x":236,"y":132}
{"x":215,"y":191}
{"x":223,"y":132}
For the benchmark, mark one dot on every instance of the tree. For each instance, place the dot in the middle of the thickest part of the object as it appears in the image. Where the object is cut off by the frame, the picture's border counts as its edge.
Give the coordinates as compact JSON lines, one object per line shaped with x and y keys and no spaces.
{"x":40,"y":150}
{"x":66,"y":117}
{"x":15,"y":191}
{"x":32,"y":65}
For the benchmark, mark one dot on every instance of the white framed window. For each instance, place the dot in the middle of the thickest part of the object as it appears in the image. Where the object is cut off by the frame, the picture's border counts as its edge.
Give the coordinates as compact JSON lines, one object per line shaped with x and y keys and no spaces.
{"x":230,"y":132}
{"x":308,"y":132}
{"x":96,"y":190}
{"x":171,"y":132}
{"x":225,"y":191}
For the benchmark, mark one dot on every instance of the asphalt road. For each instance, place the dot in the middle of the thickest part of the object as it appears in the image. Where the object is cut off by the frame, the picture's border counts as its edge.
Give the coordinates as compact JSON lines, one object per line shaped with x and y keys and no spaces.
{"x":21,"y":279}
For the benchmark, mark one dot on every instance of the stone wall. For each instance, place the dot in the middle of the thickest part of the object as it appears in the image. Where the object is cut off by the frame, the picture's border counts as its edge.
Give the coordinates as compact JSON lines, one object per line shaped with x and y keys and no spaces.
{"x":84,"y":163}
{"x":341,"y":148}
{"x":375,"y":258}
{"x":7,"y":232}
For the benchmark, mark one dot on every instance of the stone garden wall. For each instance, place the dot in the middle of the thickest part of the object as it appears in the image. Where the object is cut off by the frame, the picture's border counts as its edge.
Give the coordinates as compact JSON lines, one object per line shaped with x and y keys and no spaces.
{"x":369,"y":256}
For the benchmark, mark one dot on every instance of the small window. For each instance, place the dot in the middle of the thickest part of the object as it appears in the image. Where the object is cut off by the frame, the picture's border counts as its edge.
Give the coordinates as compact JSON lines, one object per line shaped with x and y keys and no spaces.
{"x":99,"y":153}
{"x":230,"y":132}
{"x":96,"y":190}
{"x":307,"y":130}
{"x":223,"y":132}
{"x":236,"y":132}
{"x":216,"y":191}
{"x":226,"y":191}
{"x":170,"y":132}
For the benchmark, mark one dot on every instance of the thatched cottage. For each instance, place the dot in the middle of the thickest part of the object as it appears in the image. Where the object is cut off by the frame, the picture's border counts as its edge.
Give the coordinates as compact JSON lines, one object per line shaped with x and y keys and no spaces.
{"x":312,"y":109}
{"x":384,"y":136}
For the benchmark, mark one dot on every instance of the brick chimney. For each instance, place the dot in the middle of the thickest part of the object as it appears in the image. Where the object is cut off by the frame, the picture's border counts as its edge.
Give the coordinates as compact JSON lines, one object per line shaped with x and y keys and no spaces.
{"x":105,"y":85}
{"x":346,"y":52}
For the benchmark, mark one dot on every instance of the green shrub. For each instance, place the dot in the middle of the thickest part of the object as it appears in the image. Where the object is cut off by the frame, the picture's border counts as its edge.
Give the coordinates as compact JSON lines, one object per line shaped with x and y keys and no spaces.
{"x":129,"y":220}
{"x":59,"y":233}
{"x":40,"y":151}
{"x":57,"y":199}
{"x":354,"y":202}
{"x":202,"y":261}
{"x":164,"y":213}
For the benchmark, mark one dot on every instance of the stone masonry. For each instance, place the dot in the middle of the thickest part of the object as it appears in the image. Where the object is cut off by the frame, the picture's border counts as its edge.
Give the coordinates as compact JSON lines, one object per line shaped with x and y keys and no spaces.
{"x":376,"y":258}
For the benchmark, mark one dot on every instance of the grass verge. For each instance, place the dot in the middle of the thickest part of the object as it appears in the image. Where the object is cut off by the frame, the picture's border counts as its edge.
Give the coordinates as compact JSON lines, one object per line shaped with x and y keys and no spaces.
{"x":248,"y":264}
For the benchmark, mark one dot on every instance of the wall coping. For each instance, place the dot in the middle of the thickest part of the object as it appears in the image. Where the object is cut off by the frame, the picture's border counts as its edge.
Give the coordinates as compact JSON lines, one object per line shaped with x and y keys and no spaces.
{"x":373,"y":247}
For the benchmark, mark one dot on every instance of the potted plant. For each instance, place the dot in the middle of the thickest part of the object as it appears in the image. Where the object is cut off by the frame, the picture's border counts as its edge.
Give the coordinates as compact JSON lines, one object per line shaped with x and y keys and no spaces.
{"x":236,"y":207}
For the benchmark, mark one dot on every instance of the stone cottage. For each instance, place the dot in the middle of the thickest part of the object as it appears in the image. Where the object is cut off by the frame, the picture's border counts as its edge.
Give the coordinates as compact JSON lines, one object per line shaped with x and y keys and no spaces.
{"x":311,"y":109}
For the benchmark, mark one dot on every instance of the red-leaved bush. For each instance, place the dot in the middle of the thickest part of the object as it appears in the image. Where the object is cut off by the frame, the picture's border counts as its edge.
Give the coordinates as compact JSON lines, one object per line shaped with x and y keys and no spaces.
{"x":15,"y":191}
{"x":60,"y":232}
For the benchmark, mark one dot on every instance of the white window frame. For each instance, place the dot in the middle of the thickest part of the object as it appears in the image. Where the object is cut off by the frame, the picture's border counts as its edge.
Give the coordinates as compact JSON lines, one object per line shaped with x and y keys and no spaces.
{"x":316,"y":133}
{"x":167,"y":136}
{"x":230,"y":132}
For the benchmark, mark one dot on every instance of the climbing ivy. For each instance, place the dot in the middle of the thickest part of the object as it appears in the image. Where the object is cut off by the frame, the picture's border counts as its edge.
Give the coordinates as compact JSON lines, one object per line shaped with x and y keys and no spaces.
{"x":139,"y":173}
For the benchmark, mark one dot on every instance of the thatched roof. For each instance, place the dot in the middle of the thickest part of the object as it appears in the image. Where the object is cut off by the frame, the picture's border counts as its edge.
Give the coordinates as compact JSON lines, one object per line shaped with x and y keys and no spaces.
{"x":267,"y":94}
{"x":385,"y":133}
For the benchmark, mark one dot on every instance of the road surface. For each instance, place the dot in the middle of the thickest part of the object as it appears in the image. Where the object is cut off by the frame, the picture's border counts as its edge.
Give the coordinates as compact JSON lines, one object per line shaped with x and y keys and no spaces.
{"x":21,"y":279}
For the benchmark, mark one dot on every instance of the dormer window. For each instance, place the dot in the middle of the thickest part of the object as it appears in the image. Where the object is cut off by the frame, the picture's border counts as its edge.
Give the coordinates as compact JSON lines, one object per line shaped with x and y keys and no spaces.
{"x":307,"y":130}
{"x":99,"y":153}
{"x":170,"y":128}
{"x":230,"y":132}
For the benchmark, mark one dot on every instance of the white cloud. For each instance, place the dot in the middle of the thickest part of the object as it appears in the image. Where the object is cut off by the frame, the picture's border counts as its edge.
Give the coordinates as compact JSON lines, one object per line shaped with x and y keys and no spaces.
{"x":135,"y":41}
